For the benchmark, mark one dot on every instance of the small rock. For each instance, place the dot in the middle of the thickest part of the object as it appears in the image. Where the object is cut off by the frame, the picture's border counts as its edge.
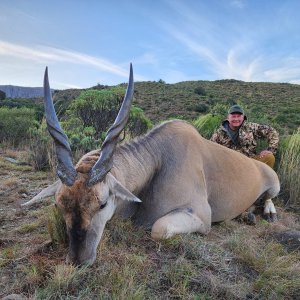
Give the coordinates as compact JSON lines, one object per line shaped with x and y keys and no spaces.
{"x":12,"y":160}
{"x":24,"y":195}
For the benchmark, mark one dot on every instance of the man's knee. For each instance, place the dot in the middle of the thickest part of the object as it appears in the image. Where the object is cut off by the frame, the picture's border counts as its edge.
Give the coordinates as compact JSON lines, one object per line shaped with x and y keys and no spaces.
{"x":268,"y":159}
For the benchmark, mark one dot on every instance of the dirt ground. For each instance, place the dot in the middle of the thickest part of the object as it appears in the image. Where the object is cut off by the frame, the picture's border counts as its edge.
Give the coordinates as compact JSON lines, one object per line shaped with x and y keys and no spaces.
{"x":24,"y":239}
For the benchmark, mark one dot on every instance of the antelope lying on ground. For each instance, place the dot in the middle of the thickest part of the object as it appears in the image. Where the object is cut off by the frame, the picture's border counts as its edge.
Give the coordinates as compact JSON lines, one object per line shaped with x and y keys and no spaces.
{"x":184,"y":181}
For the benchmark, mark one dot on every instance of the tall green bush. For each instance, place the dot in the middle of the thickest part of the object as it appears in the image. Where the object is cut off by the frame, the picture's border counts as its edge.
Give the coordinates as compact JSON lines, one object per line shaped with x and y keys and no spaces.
{"x":207,"y":124}
{"x":289,"y":170}
{"x":15,"y":124}
{"x":91,"y":114}
{"x":97,"y":108}
{"x":138,"y":123}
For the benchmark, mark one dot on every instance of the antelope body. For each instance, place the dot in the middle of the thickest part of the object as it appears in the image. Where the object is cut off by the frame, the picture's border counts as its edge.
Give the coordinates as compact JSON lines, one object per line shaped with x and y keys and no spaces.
{"x":171,"y":180}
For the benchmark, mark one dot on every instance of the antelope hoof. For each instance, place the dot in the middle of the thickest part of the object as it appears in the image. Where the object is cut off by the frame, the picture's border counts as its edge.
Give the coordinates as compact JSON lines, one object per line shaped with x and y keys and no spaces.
{"x":250,"y":218}
{"x":273,"y":217}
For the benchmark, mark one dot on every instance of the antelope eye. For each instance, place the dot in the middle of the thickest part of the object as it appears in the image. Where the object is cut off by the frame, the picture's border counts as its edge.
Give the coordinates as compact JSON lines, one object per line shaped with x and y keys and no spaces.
{"x":103,"y":205}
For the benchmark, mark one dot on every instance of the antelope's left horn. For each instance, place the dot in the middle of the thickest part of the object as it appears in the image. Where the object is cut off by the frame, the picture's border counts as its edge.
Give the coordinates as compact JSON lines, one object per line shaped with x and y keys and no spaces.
{"x":65,"y":168}
{"x":104,"y":163}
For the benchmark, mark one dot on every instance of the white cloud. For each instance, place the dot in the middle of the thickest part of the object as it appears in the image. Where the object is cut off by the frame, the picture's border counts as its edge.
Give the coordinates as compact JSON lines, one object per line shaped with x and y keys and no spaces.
{"x":47,"y":54}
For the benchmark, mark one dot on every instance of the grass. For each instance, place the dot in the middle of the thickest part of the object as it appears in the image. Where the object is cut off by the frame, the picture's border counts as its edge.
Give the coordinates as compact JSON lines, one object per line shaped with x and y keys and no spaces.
{"x":130,"y":265}
{"x":13,"y":167}
{"x":289,"y":170}
{"x":8,"y":254}
{"x":10,"y":182}
{"x":61,"y":281}
{"x":274,"y":271}
{"x":26,"y":228}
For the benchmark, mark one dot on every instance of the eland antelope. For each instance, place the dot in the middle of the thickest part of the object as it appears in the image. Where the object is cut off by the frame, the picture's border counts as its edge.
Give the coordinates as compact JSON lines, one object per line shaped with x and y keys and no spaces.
{"x":171,"y":180}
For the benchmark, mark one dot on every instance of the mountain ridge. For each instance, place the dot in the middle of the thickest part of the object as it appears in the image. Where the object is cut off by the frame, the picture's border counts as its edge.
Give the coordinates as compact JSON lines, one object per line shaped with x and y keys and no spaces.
{"x":14,"y":91}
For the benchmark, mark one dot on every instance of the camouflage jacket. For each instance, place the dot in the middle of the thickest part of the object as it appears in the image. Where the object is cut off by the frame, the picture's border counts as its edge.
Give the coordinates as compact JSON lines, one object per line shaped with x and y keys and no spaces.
{"x":247,"y":137}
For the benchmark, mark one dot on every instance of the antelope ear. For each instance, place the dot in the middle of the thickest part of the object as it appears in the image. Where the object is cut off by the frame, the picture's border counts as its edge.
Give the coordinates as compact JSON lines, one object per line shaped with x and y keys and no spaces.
{"x":119,"y":190}
{"x":47,"y":192}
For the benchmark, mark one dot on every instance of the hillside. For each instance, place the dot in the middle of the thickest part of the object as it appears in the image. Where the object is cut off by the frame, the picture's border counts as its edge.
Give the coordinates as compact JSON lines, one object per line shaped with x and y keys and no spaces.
{"x":275,"y":103}
{"x":278,"y":103}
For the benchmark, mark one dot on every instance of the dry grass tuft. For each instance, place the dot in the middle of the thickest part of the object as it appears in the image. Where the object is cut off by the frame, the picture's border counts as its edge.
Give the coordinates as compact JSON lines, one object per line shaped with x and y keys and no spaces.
{"x":26,"y":228}
{"x":10,"y":182}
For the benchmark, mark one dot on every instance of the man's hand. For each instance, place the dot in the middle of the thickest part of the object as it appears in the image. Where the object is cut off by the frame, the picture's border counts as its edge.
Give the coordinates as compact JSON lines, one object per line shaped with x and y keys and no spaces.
{"x":264,"y":153}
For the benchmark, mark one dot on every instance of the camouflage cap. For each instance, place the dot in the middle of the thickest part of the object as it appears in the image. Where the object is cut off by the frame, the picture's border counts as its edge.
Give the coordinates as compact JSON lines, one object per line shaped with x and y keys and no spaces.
{"x":236,"y":109}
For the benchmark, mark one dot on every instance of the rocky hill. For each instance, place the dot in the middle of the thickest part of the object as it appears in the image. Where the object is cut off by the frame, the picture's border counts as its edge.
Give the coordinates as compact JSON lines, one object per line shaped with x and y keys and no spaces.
{"x":13,"y":91}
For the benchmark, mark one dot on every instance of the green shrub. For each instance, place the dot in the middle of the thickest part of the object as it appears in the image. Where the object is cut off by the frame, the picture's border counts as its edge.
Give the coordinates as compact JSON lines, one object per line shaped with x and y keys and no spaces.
{"x":200,"y":91}
{"x":15,"y":124}
{"x":138,"y":123}
{"x":91,"y":115}
{"x":207,"y":124}
{"x":201,"y":108}
{"x":97,"y":108}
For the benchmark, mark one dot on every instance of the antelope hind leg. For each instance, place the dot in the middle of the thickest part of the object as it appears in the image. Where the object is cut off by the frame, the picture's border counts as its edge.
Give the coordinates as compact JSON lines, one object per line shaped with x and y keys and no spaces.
{"x":270,"y":211}
{"x":179,"y":221}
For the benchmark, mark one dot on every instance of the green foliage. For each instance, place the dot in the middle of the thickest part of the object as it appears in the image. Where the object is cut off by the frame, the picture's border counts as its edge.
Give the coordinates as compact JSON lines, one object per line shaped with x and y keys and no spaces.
{"x":138,"y":123}
{"x":90,"y":116}
{"x":15,"y":124}
{"x":97,"y":108}
{"x":220,"y":110}
{"x":200,"y":91}
{"x":26,"y":103}
{"x":289,"y":169}
{"x":161,"y":81}
{"x":207,"y":124}
{"x":201,"y":108}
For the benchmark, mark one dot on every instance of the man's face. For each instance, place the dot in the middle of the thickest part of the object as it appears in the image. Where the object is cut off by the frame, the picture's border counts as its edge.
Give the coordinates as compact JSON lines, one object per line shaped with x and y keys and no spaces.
{"x":235,"y":120}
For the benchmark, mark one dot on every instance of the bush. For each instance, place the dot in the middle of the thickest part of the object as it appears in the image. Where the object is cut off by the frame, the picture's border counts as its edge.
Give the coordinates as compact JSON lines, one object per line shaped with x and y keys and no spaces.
{"x":206,"y":125}
{"x":220,"y":110}
{"x":201,"y":108}
{"x":200,"y":91}
{"x":97,"y":108}
{"x":15,"y":124}
{"x":91,"y":115}
{"x":138,"y":123}
{"x":289,"y":169}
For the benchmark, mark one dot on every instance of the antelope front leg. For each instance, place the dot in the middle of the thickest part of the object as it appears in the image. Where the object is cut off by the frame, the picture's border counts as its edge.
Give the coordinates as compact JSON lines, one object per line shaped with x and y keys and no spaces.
{"x":270,"y":211}
{"x":180,"y":221}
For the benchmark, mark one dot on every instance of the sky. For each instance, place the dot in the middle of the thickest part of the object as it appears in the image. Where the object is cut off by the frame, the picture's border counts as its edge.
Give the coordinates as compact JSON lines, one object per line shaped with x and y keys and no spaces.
{"x":89,"y":42}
